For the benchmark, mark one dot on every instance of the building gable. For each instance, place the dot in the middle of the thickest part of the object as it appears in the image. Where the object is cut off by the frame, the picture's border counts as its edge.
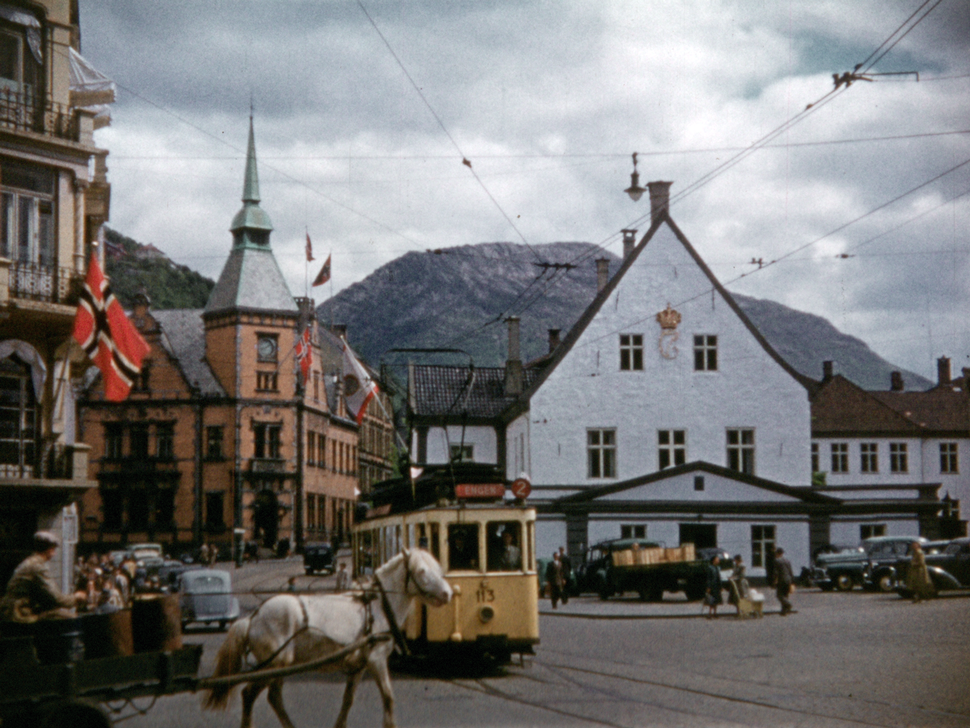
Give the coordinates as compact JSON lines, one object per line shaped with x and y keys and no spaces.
{"x":664,"y":351}
{"x":698,"y":482}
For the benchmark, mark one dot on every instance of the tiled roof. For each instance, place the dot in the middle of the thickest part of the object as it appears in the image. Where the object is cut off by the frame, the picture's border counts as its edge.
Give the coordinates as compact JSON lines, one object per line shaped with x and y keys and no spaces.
{"x":940,"y":409}
{"x":183,"y":335}
{"x":445,"y":390}
{"x":842,"y":408}
{"x":251,"y":279}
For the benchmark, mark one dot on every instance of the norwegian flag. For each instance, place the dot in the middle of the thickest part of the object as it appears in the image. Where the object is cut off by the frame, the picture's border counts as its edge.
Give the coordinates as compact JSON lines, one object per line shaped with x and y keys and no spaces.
{"x":107,"y":336}
{"x":304,"y":353}
{"x":324,"y":275}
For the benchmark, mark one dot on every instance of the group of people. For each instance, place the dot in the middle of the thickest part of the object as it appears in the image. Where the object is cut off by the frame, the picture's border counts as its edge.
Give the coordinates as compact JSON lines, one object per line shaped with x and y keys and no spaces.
{"x":779,"y":575}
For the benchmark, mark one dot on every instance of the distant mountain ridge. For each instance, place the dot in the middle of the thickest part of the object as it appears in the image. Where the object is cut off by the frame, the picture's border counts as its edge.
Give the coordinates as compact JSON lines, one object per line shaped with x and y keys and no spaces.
{"x":451,"y":298}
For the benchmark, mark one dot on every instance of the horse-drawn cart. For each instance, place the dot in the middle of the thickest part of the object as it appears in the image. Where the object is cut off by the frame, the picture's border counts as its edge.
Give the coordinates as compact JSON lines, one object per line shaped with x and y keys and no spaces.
{"x":70,"y":693}
{"x":49,"y":678}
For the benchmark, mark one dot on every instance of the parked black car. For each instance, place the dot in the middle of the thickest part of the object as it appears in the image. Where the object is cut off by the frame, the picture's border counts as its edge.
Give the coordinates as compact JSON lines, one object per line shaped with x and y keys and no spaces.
{"x":949,"y":567}
{"x":869,"y":565}
{"x":318,"y":557}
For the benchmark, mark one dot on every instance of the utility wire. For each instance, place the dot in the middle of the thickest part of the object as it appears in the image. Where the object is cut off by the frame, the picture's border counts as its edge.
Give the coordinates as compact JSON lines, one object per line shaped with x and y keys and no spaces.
{"x":811,"y":108}
{"x":270,"y":167}
{"x":464,"y":159}
{"x":708,"y":291}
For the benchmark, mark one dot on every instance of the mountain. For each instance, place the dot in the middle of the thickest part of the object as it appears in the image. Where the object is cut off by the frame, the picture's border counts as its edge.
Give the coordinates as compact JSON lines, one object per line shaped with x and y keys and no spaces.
{"x":133,"y":268}
{"x":453,"y":298}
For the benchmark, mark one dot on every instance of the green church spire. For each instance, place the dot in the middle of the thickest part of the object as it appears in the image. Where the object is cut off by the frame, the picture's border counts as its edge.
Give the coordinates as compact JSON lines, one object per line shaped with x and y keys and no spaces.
{"x":251,"y":225}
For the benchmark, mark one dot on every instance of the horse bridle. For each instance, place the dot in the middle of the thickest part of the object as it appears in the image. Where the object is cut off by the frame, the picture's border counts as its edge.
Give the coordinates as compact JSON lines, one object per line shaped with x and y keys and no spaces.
{"x":399,"y":639}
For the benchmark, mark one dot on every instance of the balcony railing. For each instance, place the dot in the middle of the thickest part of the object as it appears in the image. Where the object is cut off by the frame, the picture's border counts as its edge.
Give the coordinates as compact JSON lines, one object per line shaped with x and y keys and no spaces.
{"x":267,"y":465}
{"x":57,"y":463}
{"x":48,"y":283}
{"x":23,"y":110}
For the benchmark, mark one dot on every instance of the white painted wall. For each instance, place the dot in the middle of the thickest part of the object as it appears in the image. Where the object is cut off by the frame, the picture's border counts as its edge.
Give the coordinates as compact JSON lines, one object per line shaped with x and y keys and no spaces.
{"x":733,"y":536}
{"x":924,"y":464}
{"x":550,"y":535}
{"x":587,"y":389}
{"x":716,"y":488}
{"x":849,"y":531}
{"x":482,"y":438}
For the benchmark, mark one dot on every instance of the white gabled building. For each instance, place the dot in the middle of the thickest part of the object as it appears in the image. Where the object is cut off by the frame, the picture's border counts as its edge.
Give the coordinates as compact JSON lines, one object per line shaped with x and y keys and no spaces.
{"x":664,"y":413}
{"x":662,"y":369}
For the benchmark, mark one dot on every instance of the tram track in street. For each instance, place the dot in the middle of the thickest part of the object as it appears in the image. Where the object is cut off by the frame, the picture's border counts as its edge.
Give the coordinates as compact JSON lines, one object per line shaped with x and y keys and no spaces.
{"x":558,"y":668}
{"x":560,"y":673}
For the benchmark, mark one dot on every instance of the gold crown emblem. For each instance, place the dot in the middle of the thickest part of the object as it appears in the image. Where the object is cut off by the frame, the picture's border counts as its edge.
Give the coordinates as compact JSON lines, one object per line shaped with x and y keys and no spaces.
{"x":668,"y":318}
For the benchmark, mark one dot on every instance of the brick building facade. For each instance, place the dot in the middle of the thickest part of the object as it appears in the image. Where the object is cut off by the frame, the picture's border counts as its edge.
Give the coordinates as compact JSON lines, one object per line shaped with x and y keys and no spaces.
{"x":220,"y":433}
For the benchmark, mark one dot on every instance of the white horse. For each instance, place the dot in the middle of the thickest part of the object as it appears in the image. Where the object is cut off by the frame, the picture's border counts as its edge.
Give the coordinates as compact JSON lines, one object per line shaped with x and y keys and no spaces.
{"x":289,"y":629}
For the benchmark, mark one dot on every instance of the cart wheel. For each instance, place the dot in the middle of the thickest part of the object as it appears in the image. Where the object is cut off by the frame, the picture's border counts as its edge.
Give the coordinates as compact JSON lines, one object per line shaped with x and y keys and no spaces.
{"x":74,"y":715}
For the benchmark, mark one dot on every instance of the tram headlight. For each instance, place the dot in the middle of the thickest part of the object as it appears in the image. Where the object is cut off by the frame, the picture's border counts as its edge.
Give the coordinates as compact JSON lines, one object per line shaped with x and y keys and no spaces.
{"x":486,"y":614}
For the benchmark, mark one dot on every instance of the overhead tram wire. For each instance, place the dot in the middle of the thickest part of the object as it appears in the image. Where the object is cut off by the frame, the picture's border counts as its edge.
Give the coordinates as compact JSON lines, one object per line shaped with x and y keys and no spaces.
{"x":764,"y":140}
{"x":876,"y":55}
{"x":765,"y":266}
{"x":464,"y":159}
{"x":278,"y":171}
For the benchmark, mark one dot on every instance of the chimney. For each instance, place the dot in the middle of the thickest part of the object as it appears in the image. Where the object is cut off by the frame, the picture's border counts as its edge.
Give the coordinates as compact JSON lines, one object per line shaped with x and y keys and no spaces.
{"x":943,"y":370}
{"x":629,"y":242}
{"x":602,"y":273}
{"x":553,"y":340}
{"x":826,"y":371}
{"x":513,"y":367}
{"x":896,"y":383}
{"x":659,"y":199}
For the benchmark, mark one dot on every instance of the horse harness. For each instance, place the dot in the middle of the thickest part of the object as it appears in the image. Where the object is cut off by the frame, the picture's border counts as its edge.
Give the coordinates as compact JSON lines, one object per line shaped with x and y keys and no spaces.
{"x":367,"y":599}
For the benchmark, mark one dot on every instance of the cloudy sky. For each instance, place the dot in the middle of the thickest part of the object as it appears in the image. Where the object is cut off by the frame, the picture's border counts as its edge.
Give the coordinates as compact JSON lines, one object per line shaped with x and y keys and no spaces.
{"x":363,"y":114}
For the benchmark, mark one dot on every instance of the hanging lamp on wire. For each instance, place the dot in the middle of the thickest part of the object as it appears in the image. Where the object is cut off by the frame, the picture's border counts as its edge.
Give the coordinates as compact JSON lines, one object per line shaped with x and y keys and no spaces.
{"x":635,"y":190}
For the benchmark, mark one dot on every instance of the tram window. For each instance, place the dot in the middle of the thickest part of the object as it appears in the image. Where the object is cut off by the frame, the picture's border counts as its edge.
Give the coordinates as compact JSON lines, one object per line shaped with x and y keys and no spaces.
{"x":504,"y":545}
{"x":435,"y":542}
{"x":463,"y":546}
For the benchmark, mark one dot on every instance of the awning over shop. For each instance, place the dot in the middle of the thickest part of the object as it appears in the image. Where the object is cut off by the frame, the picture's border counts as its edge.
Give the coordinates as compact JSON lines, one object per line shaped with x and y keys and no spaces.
{"x":91,"y":89}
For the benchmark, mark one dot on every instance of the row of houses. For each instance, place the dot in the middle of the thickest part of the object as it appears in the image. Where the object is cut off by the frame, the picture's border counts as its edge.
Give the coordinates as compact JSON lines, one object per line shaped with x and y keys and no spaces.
{"x":224,"y":438}
{"x":664,"y":413}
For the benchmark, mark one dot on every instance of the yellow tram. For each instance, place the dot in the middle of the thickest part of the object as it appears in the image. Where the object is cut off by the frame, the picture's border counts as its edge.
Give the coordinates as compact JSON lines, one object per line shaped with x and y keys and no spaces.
{"x":487,"y":550}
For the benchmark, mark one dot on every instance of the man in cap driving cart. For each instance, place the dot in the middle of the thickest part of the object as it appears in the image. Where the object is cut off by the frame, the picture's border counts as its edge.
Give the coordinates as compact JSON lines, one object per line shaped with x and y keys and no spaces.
{"x":31,"y":592}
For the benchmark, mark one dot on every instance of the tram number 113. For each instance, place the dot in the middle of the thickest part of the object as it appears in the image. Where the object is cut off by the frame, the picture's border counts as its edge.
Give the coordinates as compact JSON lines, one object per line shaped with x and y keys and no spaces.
{"x":484,"y":594}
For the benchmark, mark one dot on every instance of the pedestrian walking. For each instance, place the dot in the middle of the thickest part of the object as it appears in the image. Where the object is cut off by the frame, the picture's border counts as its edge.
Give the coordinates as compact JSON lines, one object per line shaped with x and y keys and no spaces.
{"x":917,"y":575}
{"x":554,"y":579}
{"x":784,"y":580}
{"x":712,"y":594}
{"x":566,"y":566}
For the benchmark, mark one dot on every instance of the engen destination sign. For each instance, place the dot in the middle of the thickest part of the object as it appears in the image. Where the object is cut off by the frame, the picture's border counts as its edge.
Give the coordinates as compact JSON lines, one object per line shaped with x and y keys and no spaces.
{"x":480,"y":490}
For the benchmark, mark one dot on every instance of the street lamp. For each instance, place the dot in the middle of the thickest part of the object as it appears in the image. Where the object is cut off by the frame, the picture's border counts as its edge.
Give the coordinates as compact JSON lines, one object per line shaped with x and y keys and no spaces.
{"x":635,"y":190}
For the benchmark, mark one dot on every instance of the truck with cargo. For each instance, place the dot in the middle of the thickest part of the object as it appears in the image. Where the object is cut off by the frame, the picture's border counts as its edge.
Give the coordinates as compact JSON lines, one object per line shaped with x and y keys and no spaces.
{"x":646,"y":568}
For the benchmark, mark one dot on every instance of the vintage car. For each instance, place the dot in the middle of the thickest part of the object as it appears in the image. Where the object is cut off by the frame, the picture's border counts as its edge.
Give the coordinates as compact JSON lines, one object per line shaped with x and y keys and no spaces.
{"x":205,"y":595}
{"x":864,"y":565}
{"x":949,"y":567}
{"x":318,"y":557}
